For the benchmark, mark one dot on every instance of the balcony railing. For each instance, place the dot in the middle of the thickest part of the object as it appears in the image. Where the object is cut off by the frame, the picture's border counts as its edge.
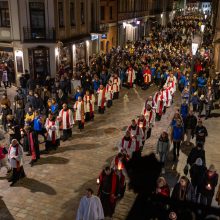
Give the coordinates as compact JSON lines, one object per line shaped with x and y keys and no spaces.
{"x":31,"y":34}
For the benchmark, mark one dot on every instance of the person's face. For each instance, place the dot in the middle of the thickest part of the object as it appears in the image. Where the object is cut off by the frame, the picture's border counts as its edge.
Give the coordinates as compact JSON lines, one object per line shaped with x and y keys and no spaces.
{"x":161,"y":183}
{"x":64,"y":106}
{"x":36,"y":95}
{"x":50,"y":117}
{"x":3,"y":96}
{"x":30,"y":109}
{"x":88,"y":194}
{"x":182,"y":182}
{"x":133,"y":123}
{"x":53,"y":101}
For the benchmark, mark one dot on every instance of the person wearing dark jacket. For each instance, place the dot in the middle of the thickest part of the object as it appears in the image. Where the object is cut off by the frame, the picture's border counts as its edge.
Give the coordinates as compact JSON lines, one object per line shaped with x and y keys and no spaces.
{"x":31,"y":85}
{"x":197,"y":172}
{"x":39,"y":104}
{"x":183,"y":190}
{"x":196,"y":152}
{"x":5,"y":112}
{"x":201,"y":133}
{"x":189,"y":125}
{"x":13,"y":129}
{"x":23,"y":84}
{"x":19,"y":114}
{"x":208,"y":184}
{"x":177,"y":136}
{"x":163,"y":146}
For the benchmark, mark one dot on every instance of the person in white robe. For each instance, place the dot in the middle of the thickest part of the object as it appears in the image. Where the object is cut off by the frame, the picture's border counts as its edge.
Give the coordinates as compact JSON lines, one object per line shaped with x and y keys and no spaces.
{"x":136,"y":132}
{"x":116,"y":83}
{"x":167,"y":96}
{"x":131,"y":76}
{"x":89,"y":106}
{"x":15,"y":158}
{"x":102,"y":99}
{"x":67,"y":122}
{"x":109,"y":93}
{"x":79,"y":114}
{"x":128,"y":145}
{"x":53,"y":132}
{"x":90,"y":207}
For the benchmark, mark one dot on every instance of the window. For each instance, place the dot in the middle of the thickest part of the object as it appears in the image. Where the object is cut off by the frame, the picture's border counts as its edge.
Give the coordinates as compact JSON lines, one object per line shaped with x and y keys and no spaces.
{"x":37,"y":20}
{"x":72,"y":14}
{"x":102,"y":12}
{"x":4,"y":14}
{"x":110,"y":13}
{"x":60,"y":14}
{"x":82,"y":13}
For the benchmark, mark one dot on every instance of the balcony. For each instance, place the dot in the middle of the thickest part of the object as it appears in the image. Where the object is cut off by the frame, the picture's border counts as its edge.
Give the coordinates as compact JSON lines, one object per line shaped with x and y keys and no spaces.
{"x":36,"y":35}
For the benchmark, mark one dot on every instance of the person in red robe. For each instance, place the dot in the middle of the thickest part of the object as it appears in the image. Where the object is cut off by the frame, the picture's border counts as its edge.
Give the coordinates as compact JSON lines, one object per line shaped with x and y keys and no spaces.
{"x":146,"y":77}
{"x":108,"y":192}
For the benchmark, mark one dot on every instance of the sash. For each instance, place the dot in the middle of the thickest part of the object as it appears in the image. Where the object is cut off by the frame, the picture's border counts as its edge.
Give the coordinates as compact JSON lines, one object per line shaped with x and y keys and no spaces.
{"x":16,"y":154}
{"x":137,"y":130}
{"x":167,"y":97}
{"x":82,"y":112}
{"x":131,"y":82}
{"x":114,"y":185}
{"x":161,"y":105}
{"x":67,"y":118}
{"x":103,"y":98}
{"x":129,"y":143}
{"x":53,"y":132}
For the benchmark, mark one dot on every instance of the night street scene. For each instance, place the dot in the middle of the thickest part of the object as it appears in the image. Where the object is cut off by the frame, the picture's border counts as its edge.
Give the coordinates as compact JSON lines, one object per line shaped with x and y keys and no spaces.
{"x":109,"y":109}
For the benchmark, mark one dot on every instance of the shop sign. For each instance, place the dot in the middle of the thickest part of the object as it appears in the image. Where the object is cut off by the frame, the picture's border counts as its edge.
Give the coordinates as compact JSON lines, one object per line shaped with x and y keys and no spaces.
{"x":104,"y":36}
{"x":94,"y":36}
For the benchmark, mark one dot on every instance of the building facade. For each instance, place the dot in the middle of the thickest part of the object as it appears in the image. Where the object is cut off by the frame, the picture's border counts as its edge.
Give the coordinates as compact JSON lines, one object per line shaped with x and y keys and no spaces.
{"x":108,"y":24}
{"x":216,"y":13}
{"x":135,"y":18}
{"x":42,"y":35}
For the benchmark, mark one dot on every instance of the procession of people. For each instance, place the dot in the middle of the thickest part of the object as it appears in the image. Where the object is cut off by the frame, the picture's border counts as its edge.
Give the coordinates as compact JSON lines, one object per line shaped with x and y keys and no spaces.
{"x":49,"y":112}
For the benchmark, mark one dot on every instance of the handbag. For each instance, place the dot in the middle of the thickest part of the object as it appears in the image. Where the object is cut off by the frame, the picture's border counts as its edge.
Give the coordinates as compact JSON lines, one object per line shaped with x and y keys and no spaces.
{"x":4,"y":150}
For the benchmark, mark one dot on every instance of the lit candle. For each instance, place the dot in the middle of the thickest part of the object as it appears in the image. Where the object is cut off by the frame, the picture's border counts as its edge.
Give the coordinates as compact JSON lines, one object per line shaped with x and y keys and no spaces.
{"x":98,"y":181}
{"x":119,"y":165}
{"x":141,"y":125}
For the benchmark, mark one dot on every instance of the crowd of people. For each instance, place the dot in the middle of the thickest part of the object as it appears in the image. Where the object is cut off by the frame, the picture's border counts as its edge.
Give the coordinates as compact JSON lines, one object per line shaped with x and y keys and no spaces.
{"x":48,"y":108}
{"x":168,"y":66}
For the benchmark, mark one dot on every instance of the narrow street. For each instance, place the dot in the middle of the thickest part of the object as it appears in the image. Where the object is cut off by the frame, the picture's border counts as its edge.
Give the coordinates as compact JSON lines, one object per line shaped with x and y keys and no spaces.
{"x":54,"y":186}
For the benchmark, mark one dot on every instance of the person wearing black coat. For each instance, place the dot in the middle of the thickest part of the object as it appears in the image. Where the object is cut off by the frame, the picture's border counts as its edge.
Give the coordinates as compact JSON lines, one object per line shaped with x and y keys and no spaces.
{"x":208,"y":184}
{"x":13,"y":129}
{"x":197,"y":172}
{"x":5,"y":112}
{"x":39,"y":104}
{"x":189,"y":125}
{"x":183,"y":190}
{"x":19,"y":114}
{"x":201,"y":133}
{"x":196,"y":152}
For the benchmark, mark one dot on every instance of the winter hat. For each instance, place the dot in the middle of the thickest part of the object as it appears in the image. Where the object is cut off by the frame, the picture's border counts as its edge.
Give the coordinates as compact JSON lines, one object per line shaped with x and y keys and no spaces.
{"x":199,"y":161}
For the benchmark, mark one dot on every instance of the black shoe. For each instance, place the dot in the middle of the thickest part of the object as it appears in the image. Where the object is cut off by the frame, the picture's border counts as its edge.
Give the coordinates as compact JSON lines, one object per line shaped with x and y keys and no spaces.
{"x":10,"y":180}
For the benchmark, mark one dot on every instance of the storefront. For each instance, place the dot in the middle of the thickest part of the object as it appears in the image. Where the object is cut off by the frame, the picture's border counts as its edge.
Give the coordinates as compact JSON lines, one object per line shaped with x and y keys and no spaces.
{"x":39,"y":61}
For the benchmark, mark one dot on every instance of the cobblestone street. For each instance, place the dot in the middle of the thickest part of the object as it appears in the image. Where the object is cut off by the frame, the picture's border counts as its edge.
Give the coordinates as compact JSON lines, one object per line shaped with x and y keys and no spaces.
{"x":54,"y":186}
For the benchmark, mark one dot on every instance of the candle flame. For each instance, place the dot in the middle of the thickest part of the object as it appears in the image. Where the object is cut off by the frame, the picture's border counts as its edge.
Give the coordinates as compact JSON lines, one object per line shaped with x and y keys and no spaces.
{"x":98,"y":181}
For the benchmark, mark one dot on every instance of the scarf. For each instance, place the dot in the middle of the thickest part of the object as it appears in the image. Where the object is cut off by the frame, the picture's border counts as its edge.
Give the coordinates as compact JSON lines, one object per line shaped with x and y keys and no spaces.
{"x":90,"y":103}
{"x":16,"y":154}
{"x":82,"y":111}
{"x":67,"y":117}
{"x":129,"y":143}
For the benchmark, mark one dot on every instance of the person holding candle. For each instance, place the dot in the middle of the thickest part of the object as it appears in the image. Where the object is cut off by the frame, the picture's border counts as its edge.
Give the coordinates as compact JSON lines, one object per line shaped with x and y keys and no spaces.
{"x":208,"y":184}
{"x":162,"y":187}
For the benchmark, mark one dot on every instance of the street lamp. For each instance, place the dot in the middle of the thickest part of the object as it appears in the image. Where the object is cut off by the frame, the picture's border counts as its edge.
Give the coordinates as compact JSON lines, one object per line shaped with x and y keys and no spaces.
{"x":195,"y":46}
